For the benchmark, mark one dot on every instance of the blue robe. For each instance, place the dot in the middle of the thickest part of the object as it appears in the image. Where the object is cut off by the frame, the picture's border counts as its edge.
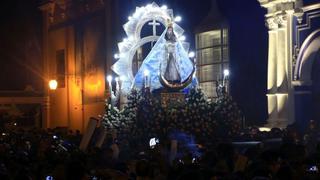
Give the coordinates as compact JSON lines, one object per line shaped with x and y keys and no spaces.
{"x":157,"y":62}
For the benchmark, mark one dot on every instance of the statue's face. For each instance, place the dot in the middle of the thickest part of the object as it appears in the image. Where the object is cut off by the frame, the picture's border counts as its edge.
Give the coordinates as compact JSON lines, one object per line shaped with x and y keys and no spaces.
{"x":170,"y":31}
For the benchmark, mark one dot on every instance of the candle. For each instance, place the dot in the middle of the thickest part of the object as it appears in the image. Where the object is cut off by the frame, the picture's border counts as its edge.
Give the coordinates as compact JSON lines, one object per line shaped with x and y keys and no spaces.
{"x":146,"y":74}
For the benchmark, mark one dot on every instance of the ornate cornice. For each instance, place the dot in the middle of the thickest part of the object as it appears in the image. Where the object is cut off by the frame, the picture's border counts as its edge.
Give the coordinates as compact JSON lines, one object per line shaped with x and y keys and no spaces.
{"x":281,"y":3}
{"x":281,"y":19}
{"x":271,"y":23}
{"x":278,"y":11}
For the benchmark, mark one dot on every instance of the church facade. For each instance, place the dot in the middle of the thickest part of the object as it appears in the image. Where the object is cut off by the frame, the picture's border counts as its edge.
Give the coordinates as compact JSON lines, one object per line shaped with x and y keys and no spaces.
{"x":293,"y":62}
{"x":78,"y":43}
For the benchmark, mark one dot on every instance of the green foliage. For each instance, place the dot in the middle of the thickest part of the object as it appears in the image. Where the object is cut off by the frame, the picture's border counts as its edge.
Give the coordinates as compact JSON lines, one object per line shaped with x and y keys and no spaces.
{"x":143,"y":117}
{"x":227,"y":115}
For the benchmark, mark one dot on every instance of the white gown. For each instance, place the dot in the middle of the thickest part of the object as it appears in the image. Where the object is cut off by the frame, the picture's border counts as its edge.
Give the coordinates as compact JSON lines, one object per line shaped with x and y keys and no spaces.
{"x":172,"y":71}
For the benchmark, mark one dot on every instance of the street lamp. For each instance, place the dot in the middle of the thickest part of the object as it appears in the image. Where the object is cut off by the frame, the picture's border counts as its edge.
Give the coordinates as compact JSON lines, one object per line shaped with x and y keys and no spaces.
{"x":53,"y":84}
{"x":226,"y":72}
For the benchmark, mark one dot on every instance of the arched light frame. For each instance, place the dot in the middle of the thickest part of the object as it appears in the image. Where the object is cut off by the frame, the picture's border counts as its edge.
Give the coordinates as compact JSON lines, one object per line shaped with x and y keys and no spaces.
{"x":129,"y":45}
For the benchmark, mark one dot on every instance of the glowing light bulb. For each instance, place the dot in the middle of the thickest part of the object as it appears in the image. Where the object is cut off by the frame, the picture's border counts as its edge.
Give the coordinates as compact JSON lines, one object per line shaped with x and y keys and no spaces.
{"x":164,"y":7}
{"x":177,"y":19}
{"x":122,"y":78}
{"x":182,"y":38}
{"x":226,"y":72}
{"x":191,"y":54}
{"x":131,"y":38}
{"x":264,"y":129}
{"x":146,"y":72}
{"x":121,"y":55}
{"x":116,"y":56}
{"x":109,"y":78}
{"x":53,"y":84}
{"x":136,"y":15}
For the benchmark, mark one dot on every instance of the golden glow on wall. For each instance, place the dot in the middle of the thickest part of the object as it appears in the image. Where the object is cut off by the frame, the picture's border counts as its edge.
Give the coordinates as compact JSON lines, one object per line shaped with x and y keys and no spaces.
{"x":94,"y":86}
{"x":53,"y":84}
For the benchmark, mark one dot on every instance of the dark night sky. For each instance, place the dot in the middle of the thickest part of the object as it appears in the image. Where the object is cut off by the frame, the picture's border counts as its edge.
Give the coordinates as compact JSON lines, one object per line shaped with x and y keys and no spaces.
{"x":20,"y":44}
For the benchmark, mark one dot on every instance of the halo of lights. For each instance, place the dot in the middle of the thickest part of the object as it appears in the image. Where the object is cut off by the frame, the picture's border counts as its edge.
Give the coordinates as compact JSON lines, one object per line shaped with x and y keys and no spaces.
{"x":128,"y":46}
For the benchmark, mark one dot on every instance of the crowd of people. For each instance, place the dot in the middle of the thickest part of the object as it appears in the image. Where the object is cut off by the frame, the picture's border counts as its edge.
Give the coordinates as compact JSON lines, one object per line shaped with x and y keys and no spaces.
{"x":55,"y":154}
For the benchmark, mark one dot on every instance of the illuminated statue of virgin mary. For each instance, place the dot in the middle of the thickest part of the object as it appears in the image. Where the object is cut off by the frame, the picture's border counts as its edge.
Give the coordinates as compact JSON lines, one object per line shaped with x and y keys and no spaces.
{"x":171,"y":74}
{"x":168,"y":64}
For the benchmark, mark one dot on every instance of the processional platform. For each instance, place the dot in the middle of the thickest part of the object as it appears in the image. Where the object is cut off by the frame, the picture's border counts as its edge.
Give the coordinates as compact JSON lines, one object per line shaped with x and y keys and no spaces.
{"x":172,"y":99}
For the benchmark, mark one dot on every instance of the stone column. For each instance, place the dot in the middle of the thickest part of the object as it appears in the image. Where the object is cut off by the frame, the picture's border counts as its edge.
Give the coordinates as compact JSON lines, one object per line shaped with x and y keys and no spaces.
{"x":280,"y":97}
{"x":290,"y":59}
{"x":272,"y":62}
{"x":272,"y":70}
{"x":278,"y":72}
{"x":282,"y":70}
{"x":281,"y":62}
